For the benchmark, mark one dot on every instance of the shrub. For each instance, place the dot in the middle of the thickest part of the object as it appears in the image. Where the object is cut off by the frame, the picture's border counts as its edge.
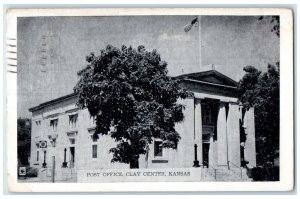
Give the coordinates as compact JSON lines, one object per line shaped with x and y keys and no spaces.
{"x":31,"y":172}
{"x":265,"y":173}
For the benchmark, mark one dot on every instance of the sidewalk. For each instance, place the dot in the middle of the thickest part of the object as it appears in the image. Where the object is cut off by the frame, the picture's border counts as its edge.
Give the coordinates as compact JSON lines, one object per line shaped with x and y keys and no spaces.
{"x":37,"y":180}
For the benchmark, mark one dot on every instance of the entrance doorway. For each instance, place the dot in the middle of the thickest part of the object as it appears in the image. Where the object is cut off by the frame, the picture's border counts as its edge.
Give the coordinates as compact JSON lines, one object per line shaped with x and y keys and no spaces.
{"x":72,"y":157}
{"x":205,"y":155}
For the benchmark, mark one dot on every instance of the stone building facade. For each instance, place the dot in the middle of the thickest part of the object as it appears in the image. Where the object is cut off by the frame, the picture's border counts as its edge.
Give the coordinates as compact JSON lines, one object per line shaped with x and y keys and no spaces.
{"x":216,"y":132}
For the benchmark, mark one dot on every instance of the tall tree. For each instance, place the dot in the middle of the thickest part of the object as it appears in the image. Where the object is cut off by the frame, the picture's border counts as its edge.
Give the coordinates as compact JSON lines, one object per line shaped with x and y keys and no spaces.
{"x":24,"y":138}
{"x":275,"y":21}
{"x":261,"y":91}
{"x":132,"y":98}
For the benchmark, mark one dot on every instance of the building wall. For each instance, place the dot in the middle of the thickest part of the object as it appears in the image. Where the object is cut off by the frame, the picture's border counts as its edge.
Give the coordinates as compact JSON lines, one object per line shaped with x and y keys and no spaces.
{"x":60,"y":112}
{"x":85,"y":142}
{"x":182,"y":157}
{"x":222,"y":151}
{"x":65,"y":132}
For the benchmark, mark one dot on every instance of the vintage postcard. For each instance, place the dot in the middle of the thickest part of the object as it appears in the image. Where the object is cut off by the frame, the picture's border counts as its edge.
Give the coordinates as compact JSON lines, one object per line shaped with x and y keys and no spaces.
{"x":150,"y":100}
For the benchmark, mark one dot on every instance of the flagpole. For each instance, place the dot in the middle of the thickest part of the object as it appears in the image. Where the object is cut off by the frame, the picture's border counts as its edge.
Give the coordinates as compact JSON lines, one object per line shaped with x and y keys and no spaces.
{"x":200,"y":43}
{"x":188,"y":27}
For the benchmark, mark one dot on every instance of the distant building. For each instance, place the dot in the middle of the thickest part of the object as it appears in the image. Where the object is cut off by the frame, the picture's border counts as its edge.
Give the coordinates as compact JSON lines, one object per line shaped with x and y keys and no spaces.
{"x":215,"y":134}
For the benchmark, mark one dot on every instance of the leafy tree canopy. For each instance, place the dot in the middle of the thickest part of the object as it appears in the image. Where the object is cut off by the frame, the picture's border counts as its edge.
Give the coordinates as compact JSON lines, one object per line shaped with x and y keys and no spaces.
{"x":132,"y":98}
{"x":261,"y":91}
{"x":24,"y":138}
{"x":275,"y":20}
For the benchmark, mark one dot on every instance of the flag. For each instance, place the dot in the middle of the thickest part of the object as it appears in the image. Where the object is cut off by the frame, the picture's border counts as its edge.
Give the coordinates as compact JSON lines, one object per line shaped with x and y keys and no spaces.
{"x":188,"y":27}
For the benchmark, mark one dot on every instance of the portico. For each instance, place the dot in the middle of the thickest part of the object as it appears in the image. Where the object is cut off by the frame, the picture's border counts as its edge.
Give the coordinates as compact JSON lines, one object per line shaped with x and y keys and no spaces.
{"x":217,"y":132}
{"x":219,"y":122}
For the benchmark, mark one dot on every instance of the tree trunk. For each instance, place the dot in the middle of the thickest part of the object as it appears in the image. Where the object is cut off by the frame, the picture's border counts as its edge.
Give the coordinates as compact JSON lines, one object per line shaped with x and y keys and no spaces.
{"x":134,"y":163}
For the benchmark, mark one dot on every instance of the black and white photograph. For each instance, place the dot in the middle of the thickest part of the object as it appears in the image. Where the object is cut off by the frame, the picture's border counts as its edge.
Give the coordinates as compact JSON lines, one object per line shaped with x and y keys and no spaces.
{"x":148,"y":98}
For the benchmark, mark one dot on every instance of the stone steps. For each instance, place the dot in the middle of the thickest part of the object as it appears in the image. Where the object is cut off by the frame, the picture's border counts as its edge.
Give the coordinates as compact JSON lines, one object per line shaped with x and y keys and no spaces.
{"x":61,"y":175}
{"x":224,"y":174}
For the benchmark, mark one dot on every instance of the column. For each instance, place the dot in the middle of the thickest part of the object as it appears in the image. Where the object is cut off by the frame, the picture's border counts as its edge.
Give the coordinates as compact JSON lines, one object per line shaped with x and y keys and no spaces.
{"x":211,"y":153}
{"x":215,"y":152}
{"x":187,"y":138}
{"x":222,"y":136}
{"x":250,"y":149}
{"x":198,"y":130}
{"x":233,"y":135}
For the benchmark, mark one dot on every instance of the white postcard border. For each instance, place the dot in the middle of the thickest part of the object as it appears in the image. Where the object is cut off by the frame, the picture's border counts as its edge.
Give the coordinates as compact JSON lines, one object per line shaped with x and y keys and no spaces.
{"x":286,"y":182}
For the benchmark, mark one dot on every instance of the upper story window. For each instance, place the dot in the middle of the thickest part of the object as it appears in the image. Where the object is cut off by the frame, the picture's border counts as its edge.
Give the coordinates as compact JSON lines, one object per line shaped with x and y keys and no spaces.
{"x":72,"y":140}
{"x":207,"y":114}
{"x":95,"y":138}
{"x":207,"y":119}
{"x":38,"y":123}
{"x":53,"y":124}
{"x":38,"y":127}
{"x":92,"y":120}
{"x":73,"y":121}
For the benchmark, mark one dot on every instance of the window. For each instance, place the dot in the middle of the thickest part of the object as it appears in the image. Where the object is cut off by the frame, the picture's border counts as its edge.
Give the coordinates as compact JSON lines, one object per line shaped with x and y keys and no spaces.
{"x":38,"y":127}
{"x":206,"y":114}
{"x":37,"y":156}
{"x":206,"y":137}
{"x":94,"y":155}
{"x":95,"y":138}
{"x":38,"y":123}
{"x":158,"y":148}
{"x":73,"y":120}
{"x":72,"y":140}
{"x":93,"y":120}
{"x":53,"y":124}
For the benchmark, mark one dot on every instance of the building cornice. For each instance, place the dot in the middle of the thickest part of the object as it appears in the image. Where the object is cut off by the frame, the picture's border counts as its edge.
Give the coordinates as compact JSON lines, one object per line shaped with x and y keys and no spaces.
{"x":200,"y":75}
{"x":209,"y":83}
{"x":52,"y":102}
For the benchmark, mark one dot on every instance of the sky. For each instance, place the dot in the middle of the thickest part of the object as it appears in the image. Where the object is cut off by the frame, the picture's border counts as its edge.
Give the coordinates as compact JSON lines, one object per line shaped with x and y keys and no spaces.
{"x":51,"y":50}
